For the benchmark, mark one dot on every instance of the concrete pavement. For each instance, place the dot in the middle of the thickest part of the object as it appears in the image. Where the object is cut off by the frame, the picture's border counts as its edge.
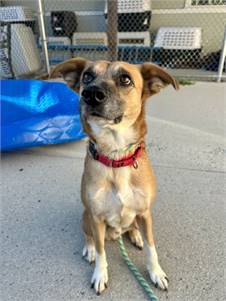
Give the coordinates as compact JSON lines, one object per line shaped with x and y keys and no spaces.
{"x":41,"y":240}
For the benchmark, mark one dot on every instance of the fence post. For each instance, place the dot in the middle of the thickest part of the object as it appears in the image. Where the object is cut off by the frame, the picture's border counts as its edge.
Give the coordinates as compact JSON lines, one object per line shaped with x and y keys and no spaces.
{"x":222,"y":59}
{"x":43,"y":33}
{"x":112,"y":29}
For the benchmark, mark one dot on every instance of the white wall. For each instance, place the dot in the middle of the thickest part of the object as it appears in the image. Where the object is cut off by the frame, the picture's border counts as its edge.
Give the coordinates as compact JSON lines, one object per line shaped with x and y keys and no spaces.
{"x":61,"y":4}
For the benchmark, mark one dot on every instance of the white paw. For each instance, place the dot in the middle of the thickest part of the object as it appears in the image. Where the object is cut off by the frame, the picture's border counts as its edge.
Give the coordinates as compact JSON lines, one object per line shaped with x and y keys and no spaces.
{"x":136,"y":239}
{"x":99,"y":279}
{"x":158,"y":277}
{"x":89,"y":253}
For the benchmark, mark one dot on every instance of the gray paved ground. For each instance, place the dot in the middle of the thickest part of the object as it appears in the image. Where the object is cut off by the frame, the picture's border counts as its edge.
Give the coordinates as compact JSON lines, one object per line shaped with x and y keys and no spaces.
{"x":41,"y":210}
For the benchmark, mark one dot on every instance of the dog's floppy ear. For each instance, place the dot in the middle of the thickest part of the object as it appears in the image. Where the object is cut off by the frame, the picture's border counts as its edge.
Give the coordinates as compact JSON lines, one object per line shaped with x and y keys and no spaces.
{"x":71,"y":71}
{"x":155,"y":78}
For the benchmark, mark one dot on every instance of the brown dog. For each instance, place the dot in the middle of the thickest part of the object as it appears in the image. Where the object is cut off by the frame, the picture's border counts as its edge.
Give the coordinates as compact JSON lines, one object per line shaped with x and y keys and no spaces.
{"x":118,"y":183}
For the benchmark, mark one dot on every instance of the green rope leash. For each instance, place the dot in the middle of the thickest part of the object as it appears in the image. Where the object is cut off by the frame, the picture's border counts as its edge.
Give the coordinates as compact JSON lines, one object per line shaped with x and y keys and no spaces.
{"x":143,"y":283}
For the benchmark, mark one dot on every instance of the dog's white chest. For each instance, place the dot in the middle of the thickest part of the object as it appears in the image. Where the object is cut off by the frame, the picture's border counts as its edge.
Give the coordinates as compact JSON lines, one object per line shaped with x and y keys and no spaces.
{"x":120,"y":203}
{"x":119,"y":211}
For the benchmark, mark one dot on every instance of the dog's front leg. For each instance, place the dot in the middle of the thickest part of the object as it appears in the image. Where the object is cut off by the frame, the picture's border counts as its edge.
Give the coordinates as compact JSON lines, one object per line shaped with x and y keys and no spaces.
{"x":100,"y":274}
{"x":156,"y":273}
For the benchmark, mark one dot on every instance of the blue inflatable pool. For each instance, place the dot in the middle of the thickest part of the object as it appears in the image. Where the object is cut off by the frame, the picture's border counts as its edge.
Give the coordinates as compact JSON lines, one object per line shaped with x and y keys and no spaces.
{"x":37,"y":112}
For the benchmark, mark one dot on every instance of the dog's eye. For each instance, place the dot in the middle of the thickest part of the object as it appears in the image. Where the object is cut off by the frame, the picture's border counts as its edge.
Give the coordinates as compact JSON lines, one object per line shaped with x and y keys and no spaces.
{"x":125,"y":80}
{"x":87,"y":77}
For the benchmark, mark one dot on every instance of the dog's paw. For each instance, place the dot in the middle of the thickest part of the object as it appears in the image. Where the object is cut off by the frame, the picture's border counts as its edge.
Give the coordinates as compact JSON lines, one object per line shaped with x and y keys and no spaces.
{"x":89,"y":253}
{"x":158,"y":277}
{"x":136,"y":238}
{"x":99,"y":280}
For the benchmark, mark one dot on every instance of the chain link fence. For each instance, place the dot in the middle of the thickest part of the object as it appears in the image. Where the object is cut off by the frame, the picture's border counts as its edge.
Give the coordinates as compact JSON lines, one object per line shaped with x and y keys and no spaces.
{"x":185,"y":36}
{"x":19,"y":54}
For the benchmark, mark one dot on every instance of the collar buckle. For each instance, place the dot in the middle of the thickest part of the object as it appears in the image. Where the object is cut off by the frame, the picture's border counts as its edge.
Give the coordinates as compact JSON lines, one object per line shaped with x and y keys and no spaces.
{"x":93,"y":150}
{"x":135,"y":163}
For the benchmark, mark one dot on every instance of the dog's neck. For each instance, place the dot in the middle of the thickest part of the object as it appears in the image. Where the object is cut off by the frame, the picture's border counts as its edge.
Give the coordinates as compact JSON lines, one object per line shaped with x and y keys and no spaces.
{"x":116,"y":154}
{"x":112,"y":142}
{"x":116,"y":142}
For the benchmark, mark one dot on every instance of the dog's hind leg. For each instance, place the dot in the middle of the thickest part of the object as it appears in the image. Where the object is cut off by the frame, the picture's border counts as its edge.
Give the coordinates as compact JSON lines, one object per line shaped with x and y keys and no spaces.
{"x":135,"y":236}
{"x":89,"y":251}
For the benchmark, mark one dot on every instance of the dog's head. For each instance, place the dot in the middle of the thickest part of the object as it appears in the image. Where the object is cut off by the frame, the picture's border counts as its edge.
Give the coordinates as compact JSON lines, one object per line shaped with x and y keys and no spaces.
{"x":112,"y":94}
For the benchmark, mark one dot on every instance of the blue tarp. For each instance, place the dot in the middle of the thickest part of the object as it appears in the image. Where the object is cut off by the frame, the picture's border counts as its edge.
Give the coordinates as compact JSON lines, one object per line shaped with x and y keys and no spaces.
{"x":37,"y":112}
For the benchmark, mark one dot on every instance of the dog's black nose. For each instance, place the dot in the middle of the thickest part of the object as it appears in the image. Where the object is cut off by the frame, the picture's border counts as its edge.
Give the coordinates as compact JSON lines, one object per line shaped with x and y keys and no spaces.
{"x":93,"y":95}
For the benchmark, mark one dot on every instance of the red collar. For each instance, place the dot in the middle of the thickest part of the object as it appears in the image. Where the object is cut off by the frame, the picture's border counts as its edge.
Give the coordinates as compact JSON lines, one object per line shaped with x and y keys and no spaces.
{"x":125,"y":161}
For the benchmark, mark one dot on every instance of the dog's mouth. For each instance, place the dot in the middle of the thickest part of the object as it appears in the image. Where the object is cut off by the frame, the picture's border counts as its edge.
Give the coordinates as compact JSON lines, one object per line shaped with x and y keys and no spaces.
{"x":116,"y":119}
{"x":111,"y":112}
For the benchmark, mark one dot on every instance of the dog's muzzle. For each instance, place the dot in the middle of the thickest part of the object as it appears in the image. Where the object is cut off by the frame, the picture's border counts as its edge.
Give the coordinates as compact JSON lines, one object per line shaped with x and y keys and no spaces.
{"x":103,"y":103}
